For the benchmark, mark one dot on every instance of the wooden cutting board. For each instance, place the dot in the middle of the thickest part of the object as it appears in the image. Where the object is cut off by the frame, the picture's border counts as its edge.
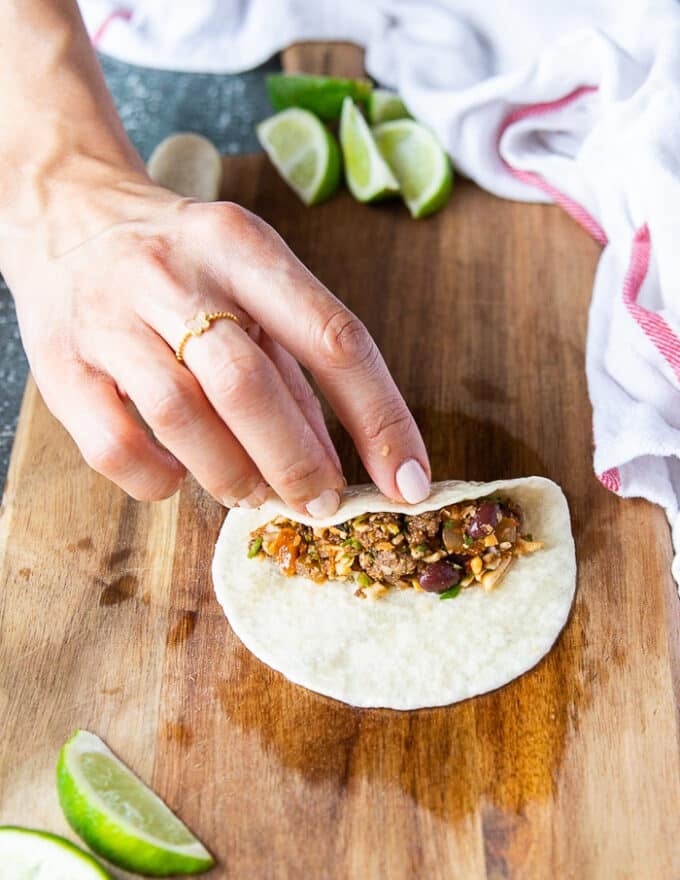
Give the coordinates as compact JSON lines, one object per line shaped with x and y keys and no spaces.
{"x":109,"y":620}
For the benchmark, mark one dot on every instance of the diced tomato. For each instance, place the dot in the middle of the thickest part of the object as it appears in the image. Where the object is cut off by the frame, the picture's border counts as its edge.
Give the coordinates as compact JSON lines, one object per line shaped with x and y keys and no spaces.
{"x":287,"y":550}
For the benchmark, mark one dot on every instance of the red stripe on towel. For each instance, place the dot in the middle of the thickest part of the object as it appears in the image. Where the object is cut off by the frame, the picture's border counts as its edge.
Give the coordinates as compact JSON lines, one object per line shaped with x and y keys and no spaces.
{"x":125,"y":14}
{"x":578,"y":212}
{"x":651,"y":323}
{"x":610,"y":479}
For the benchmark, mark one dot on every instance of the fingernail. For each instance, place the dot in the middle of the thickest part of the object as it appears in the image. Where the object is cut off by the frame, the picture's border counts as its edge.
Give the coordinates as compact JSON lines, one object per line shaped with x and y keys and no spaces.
{"x":257,"y":497}
{"x":412,"y":482}
{"x":325,"y":505}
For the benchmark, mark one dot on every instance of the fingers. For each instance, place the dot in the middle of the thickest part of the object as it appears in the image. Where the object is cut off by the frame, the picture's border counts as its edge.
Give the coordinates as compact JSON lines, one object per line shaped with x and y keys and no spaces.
{"x":172,"y":403}
{"x":302,"y":392}
{"x":314,"y":326}
{"x":109,"y":437}
{"x":236,"y":400}
{"x":247,"y":391}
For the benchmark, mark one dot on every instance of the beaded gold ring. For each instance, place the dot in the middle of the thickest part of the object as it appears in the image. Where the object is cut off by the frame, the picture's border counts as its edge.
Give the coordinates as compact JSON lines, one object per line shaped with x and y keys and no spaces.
{"x":197,"y":326}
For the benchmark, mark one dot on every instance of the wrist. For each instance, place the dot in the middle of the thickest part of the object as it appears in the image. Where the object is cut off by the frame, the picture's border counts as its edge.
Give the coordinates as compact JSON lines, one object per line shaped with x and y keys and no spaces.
{"x":56,"y":198}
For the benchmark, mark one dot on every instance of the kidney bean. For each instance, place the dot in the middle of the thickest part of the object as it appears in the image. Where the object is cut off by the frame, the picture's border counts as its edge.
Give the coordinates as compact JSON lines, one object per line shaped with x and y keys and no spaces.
{"x":484,"y":520}
{"x":439,"y":577}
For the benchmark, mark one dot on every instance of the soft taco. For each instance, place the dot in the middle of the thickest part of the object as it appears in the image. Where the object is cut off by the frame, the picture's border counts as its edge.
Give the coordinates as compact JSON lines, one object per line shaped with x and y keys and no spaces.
{"x":402,"y":606}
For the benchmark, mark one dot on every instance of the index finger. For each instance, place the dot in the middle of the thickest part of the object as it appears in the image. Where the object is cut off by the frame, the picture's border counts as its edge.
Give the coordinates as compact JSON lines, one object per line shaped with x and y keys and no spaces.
{"x":294,"y":308}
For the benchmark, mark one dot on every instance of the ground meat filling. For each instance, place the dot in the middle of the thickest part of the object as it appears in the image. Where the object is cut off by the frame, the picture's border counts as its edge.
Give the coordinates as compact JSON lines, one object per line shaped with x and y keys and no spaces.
{"x":472,"y":543}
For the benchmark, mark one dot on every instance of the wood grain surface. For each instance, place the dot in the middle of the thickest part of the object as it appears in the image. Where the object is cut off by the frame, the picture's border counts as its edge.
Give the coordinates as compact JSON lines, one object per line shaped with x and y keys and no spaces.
{"x":109,"y":620}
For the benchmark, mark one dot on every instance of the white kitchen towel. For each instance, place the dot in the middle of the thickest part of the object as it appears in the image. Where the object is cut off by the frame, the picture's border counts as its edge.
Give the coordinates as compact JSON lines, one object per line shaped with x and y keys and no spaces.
{"x":576,"y":103}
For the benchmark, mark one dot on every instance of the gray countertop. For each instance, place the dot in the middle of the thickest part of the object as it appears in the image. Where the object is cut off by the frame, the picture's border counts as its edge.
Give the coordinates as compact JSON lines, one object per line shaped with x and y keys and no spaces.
{"x":152,"y":105}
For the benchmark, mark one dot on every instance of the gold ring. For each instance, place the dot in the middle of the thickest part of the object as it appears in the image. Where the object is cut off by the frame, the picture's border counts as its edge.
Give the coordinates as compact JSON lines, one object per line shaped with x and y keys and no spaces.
{"x":197,"y":326}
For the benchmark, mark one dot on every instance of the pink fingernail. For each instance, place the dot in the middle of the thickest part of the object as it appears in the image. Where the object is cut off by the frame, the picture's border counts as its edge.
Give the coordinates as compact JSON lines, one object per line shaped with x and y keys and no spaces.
{"x":325,"y":505}
{"x":257,"y":497}
{"x":412,"y":482}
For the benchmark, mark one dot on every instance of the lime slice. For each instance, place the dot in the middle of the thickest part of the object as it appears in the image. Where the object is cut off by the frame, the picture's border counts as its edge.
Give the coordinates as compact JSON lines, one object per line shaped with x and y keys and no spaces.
{"x":323,"y":95}
{"x":419,"y":163}
{"x":368,"y":175}
{"x":26,"y":854}
{"x":119,"y":817}
{"x":305,"y":154}
{"x":383,"y":106}
{"x":188,"y":164}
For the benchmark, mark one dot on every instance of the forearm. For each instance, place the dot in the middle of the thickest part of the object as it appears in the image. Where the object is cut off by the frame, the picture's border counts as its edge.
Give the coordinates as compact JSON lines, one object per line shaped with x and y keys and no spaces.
{"x":60,"y":130}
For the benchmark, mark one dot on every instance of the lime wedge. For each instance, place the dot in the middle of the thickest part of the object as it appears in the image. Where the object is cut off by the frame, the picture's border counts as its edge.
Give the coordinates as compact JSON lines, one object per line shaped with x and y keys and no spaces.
{"x":368,"y":175}
{"x":26,"y":854}
{"x":419,"y":163}
{"x":188,"y":164}
{"x":305,"y":154}
{"x":383,"y":106}
{"x":119,"y":817}
{"x":323,"y":95}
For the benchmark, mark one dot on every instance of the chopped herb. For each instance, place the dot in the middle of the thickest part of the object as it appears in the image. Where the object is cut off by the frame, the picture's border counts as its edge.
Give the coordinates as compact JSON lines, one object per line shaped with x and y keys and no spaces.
{"x":352,"y":542}
{"x":254,"y":548}
{"x":421,"y":548}
{"x":360,"y":519}
{"x":363,"y":579}
{"x":448,"y":524}
{"x":529,"y":537}
{"x":450,"y":594}
{"x":467,"y":540}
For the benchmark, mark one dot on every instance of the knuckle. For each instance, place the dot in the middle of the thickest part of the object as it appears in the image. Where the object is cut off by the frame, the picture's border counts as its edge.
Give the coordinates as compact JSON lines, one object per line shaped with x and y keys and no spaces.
{"x":174,"y":408}
{"x":295,"y":478}
{"x":346,"y":342}
{"x":235,"y":220}
{"x":237,"y":378}
{"x":109,"y":454}
{"x":158,"y":490}
{"x":393,"y":419}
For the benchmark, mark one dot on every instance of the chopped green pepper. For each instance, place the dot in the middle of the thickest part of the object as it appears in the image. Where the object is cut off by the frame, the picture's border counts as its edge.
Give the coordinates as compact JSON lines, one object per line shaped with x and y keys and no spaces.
{"x":352,"y":542}
{"x":450,"y":594}
{"x":363,"y":579}
{"x":255,"y":546}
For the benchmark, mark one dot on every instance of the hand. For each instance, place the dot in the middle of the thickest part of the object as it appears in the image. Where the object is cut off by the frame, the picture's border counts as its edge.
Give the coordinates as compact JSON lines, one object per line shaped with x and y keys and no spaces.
{"x":102,"y":296}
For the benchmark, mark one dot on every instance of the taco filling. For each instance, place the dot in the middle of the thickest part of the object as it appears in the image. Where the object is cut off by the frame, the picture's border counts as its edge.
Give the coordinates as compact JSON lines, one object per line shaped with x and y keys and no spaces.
{"x":467,"y":544}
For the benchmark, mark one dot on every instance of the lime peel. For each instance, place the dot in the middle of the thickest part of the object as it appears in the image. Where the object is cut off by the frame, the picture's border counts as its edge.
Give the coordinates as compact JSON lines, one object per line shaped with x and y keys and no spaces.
{"x":322,"y":95}
{"x":108,"y":807}
{"x":28,"y":852}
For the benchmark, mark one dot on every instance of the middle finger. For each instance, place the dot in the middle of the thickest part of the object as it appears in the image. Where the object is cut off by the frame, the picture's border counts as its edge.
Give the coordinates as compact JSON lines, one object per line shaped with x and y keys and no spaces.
{"x":249,"y":394}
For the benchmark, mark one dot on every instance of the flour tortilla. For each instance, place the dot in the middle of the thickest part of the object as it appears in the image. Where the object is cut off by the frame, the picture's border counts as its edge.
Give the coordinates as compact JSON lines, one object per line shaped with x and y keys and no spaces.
{"x":409,"y":649}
